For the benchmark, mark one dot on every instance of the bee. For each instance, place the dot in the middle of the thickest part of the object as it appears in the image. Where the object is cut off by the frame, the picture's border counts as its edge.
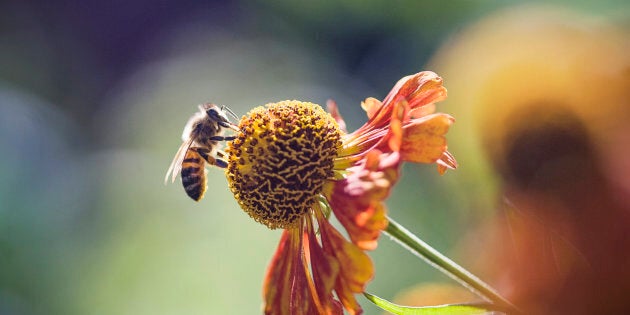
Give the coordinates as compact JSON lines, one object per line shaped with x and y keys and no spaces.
{"x":201,"y":137}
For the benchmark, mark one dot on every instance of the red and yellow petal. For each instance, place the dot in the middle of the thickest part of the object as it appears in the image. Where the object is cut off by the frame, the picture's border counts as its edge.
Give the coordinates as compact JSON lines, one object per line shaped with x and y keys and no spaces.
{"x":336,"y":265}
{"x":422,"y":111}
{"x":423,"y":139}
{"x":371,"y":106}
{"x":393,"y":139}
{"x":276,"y":284}
{"x":413,"y":97}
{"x":333,"y":110}
{"x":325,"y":269}
{"x":418,"y":90}
{"x":286,"y":287}
{"x":357,"y":199}
{"x":355,"y":267}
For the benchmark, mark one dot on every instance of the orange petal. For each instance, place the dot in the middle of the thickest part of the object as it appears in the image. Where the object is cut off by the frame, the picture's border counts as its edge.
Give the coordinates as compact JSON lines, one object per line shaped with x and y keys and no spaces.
{"x":276,"y":287}
{"x":422,"y":111}
{"x":332,"y":108}
{"x":325,"y":273}
{"x":423,"y":140}
{"x":355,"y":267}
{"x":393,"y":138}
{"x":357,"y":199}
{"x":419,"y":89}
{"x":285,"y":288}
{"x":369,"y":224}
{"x":371,"y":106}
{"x":395,"y":134}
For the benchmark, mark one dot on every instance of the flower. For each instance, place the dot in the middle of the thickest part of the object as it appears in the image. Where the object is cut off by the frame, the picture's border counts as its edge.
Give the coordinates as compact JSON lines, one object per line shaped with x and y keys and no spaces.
{"x":292,"y":163}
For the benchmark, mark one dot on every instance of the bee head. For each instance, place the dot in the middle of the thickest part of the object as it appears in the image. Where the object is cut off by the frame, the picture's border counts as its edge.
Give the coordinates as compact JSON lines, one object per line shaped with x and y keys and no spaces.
{"x":217,"y":114}
{"x":214,"y":114}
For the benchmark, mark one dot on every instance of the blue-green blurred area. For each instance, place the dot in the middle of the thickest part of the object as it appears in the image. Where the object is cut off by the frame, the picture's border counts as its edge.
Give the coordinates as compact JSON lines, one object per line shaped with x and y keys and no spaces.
{"x":93,"y":99}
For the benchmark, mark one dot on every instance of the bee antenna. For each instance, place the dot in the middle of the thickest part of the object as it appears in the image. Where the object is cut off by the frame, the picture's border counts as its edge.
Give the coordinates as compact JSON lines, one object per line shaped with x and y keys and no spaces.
{"x":229,"y":111}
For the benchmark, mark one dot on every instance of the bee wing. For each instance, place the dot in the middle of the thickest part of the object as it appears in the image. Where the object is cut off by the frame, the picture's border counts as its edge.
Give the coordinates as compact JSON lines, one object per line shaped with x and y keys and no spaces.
{"x":176,"y":165}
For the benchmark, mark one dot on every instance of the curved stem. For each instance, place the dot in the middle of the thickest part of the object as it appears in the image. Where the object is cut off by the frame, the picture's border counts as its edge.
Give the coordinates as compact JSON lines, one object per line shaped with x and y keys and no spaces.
{"x":446,"y":265}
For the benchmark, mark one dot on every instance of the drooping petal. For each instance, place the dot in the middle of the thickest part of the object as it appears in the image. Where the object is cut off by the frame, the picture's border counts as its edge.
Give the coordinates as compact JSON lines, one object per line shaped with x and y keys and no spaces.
{"x":325,"y":273}
{"x":286,"y":288}
{"x":423,"y":139}
{"x":276,"y":287}
{"x":357,"y":199}
{"x":355,"y":267}
{"x":333,"y":110}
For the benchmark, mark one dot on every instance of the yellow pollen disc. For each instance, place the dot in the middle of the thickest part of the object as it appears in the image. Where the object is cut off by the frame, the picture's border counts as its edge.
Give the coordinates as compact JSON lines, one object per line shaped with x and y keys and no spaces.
{"x":279,"y":161}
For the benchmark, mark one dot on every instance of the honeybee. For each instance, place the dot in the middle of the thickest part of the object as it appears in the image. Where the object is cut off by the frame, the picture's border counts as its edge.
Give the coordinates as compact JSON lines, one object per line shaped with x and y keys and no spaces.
{"x":201,"y":135}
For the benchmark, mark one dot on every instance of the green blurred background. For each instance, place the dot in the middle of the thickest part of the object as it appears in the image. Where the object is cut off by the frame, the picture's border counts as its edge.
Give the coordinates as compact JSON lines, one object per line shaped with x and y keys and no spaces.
{"x":93,"y":99}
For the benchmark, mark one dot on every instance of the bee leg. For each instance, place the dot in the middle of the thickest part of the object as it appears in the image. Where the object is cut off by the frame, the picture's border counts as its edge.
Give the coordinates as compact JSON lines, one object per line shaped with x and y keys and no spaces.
{"x":229,"y":125}
{"x":205,"y":154}
{"x":221,"y":163}
{"x":222,"y":138}
{"x":220,"y":159}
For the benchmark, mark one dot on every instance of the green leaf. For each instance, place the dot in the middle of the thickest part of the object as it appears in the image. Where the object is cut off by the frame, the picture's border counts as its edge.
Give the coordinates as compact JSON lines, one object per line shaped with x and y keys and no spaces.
{"x":450,"y":309}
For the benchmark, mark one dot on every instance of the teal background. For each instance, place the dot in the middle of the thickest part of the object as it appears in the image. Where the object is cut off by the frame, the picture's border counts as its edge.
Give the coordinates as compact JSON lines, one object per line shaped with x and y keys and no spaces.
{"x":93,"y":98}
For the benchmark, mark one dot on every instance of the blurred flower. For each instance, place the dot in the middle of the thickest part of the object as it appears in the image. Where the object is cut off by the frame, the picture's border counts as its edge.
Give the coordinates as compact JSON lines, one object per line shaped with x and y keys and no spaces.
{"x":547,"y":96}
{"x":292,"y":163}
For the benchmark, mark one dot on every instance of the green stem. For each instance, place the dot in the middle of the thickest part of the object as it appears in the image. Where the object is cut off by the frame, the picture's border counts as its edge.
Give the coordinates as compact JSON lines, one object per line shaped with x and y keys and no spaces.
{"x":446,"y":265}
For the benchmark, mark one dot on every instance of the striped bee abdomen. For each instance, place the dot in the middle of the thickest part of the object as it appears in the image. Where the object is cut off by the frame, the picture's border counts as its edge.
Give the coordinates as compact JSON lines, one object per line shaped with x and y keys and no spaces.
{"x":194,"y":174}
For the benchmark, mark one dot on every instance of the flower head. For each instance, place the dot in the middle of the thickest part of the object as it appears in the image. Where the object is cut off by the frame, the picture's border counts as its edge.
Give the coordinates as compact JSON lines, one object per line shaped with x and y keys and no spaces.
{"x":292,"y":164}
{"x":280,"y":161}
